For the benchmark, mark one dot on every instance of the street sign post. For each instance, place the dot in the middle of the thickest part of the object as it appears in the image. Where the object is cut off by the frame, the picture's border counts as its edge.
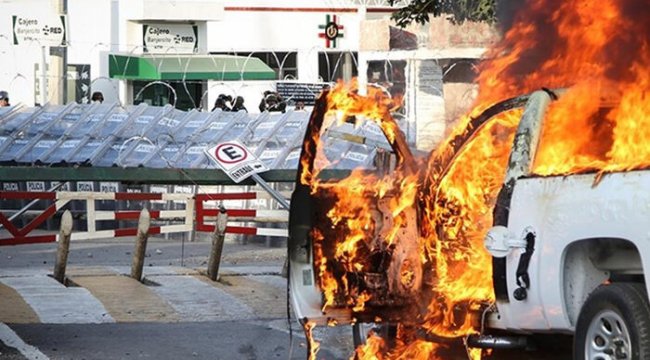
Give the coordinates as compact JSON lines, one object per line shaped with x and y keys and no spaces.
{"x":239,"y":163}
{"x":47,"y":30}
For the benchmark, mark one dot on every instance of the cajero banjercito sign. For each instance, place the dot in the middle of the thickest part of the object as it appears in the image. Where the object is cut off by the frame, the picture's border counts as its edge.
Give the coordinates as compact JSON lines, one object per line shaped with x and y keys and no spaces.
{"x":39,"y":29}
{"x":170,"y":38}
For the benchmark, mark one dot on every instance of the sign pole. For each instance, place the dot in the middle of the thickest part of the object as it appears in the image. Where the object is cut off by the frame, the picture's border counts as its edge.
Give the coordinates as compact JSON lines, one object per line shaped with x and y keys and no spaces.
{"x":59,"y":61}
{"x":49,"y":31}
{"x":64,"y":58}
{"x":362,"y":71}
{"x":276,"y":195}
{"x":43,"y":75}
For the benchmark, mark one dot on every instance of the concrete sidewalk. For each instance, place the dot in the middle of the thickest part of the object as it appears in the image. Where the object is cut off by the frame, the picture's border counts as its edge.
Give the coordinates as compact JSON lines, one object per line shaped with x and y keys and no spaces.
{"x":99,"y":289}
{"x":167,"y":294}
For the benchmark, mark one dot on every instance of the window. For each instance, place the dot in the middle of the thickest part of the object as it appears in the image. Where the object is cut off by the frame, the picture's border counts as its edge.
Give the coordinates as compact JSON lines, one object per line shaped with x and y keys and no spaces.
{"x":390,"y":74}
{"x":189,"y":94}
{"x":334,"y":66}
{"x":459,"y":70}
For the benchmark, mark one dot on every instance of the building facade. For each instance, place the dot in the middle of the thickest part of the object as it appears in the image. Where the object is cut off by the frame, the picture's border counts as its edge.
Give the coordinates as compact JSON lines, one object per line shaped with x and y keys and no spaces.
{"x":196,"y":47}
{"x":188,"y":52}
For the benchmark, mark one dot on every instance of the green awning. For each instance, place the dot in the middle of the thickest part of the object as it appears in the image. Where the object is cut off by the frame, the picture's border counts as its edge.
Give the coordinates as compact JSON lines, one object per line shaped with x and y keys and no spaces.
{"x":189,"y":67}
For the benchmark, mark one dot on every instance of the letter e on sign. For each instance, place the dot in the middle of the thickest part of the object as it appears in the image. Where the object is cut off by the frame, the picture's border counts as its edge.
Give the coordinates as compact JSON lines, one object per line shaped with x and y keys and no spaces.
{"x":229,"y":153}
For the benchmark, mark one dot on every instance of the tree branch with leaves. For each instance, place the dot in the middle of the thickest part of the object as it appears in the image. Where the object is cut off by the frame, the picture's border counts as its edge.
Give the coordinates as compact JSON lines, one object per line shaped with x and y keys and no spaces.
{"x":420,"y":11}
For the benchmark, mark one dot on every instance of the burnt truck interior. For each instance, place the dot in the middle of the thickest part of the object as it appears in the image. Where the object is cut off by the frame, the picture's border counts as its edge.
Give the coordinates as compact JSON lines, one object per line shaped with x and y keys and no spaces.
{"x":394,"y":275}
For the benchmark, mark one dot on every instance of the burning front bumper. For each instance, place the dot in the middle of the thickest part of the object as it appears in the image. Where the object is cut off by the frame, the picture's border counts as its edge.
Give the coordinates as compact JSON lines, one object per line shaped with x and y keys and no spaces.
{"x":382,"y":290}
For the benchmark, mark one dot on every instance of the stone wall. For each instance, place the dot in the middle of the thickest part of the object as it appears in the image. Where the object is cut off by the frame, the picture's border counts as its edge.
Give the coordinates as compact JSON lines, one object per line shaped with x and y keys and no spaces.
{"x":440,"y":33}
{"x":444,"y":34}
{"x":375,"y":35}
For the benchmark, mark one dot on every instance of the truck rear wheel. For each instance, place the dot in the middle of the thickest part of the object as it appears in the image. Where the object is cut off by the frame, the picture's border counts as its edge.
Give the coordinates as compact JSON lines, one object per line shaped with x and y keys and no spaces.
{"x":360,"y":332}
{"x":614,"y":323}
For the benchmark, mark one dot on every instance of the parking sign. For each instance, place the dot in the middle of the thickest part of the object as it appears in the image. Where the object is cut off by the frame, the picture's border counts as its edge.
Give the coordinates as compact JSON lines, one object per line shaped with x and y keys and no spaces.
{"x":236,"y":160}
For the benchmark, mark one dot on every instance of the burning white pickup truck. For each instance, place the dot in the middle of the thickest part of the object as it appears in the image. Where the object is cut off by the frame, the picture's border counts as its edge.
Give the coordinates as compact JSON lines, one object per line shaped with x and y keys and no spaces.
{"x":569,"y":252}
{"x":404,"y":247}
{"x":530,"y":220}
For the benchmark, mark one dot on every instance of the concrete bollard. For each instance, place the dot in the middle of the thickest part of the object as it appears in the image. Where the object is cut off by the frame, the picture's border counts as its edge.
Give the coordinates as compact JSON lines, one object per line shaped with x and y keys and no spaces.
{"x":218,"y":237}
{"x":63,"y":248}
{"x":144,"y":222}
{"x":285,"y":268}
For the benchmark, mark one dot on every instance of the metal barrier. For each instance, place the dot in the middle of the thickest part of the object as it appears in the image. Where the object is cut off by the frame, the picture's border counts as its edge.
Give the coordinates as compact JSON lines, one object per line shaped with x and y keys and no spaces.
{"x":195,"y":209}
{"x":258,"y":215}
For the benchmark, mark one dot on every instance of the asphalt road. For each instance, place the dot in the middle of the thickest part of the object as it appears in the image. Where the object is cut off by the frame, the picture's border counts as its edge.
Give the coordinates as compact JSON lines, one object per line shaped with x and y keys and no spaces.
{"x":118,"y":252}
{"x":211,"y":340}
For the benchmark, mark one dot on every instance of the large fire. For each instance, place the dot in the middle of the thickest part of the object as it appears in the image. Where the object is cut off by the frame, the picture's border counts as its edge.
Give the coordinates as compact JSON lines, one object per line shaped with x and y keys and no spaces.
{"x":441,"y":207}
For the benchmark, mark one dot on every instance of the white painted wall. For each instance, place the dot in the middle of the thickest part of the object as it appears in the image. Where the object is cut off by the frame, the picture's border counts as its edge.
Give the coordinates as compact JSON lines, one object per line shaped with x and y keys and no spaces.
{"x":91,"y":36}
{"x":89,"y":33}
{"x":153,"y":10}
{"x":244,"y":30}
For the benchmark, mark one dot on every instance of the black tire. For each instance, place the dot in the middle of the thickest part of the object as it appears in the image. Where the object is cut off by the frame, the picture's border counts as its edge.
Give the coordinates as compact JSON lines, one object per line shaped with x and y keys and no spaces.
{"x":614,"y":321}
{"x":360,"y":333}
{"x":358,"y":336}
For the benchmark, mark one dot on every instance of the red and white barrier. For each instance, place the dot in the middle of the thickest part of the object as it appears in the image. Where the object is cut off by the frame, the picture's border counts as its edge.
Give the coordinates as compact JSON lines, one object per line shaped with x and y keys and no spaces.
{"x":202,"y":214}
{"x":21,"y":236}
{"x":194,"y":210}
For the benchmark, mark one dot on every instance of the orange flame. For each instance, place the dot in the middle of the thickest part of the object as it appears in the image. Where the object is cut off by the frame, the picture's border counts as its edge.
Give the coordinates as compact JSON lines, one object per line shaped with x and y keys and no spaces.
{"x":601,"y":123}
{"x":345,"y":100}
{"x":373,"y":349}
{"x":312,"y":343}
